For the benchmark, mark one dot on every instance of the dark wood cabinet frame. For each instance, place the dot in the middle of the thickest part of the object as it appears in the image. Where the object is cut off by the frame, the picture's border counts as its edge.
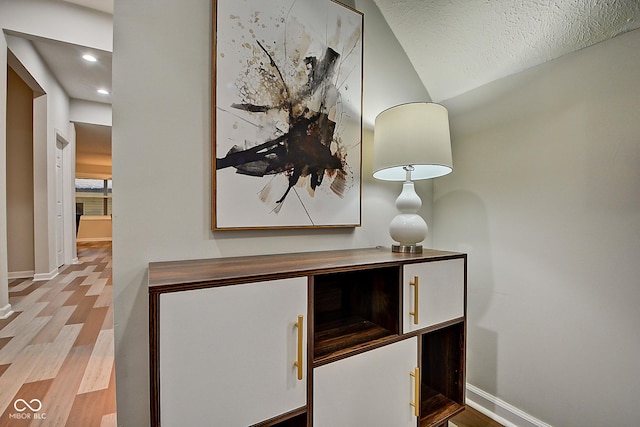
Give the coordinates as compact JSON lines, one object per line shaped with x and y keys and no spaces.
{"x":354,"y":305}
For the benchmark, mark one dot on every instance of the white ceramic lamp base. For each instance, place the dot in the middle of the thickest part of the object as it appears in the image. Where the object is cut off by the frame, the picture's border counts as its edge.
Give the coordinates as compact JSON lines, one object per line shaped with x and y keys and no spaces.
{"x":408,"y":228}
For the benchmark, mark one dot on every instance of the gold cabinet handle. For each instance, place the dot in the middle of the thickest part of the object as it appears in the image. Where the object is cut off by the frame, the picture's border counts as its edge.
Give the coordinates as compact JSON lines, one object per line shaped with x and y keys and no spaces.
{"x":416,"y":379}
{"x":414,"y":313}
{"x":298,"y":362}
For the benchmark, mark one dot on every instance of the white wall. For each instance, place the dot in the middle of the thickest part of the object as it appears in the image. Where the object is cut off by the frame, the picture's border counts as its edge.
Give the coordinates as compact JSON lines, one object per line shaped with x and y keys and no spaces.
{"x":545,"y":198}
{"x":162,"y":167}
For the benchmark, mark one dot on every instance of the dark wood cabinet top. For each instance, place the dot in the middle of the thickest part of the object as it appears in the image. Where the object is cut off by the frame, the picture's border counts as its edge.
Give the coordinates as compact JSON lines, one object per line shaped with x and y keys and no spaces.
{"x":182,"y":275}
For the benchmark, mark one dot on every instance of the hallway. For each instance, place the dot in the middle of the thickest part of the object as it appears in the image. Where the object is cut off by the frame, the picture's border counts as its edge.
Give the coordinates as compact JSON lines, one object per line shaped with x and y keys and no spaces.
{"x":56,"y":350}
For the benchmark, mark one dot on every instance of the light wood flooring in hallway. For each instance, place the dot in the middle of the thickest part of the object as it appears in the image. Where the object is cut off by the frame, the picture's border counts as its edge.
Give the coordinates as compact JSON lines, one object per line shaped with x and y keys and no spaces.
{"x":56,"y":350}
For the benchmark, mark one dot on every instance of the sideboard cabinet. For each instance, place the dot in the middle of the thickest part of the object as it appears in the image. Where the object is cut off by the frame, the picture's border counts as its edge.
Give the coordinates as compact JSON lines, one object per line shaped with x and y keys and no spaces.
{"x":361,"y":337}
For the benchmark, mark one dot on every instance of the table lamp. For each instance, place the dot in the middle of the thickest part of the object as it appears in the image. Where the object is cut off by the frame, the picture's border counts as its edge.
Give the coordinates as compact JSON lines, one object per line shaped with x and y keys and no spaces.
{"x":411,"y":142}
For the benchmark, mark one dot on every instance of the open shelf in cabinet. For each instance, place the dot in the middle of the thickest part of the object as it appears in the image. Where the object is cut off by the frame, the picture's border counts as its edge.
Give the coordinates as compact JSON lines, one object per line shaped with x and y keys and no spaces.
{"x":354,"y":309}
{"x":299,"y":421}
{"x":442,"y":374}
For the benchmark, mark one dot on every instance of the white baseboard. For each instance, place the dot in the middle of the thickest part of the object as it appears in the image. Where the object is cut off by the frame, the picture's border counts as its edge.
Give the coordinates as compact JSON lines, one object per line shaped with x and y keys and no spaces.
{"x":20,"y":274}
{"x":5,"y":311}
{"x":45,"y":276}
{"x":499,"y":410}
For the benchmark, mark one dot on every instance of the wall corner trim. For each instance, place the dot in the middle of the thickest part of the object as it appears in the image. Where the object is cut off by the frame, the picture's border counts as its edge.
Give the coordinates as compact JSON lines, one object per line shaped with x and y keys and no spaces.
{"x":5,"y":312}
{"x":499,"y":410}
{"x":45,"y":276}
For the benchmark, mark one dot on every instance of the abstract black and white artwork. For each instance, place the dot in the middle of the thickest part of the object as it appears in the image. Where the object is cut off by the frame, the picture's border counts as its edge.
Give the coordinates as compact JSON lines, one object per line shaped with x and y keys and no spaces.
{"x":287,"y":80}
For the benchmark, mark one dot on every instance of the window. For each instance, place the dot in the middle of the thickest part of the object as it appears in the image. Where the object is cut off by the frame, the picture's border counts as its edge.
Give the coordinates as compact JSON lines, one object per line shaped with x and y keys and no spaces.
{"x":93,"y":196}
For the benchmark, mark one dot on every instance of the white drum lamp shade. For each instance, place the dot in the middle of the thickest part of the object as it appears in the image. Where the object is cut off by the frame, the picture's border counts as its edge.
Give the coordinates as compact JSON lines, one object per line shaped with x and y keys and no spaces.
{"x":411,"y":142}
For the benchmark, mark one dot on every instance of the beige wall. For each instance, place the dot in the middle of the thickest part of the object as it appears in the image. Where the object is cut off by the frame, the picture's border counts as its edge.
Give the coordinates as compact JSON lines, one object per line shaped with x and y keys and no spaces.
{"x":545,"y":197}
{"x":94,"y":228}
{"x":20,"y":250}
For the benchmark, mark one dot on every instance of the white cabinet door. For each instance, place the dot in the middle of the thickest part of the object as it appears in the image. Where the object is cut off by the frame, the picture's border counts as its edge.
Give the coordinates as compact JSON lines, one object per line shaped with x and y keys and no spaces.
{"x":440,"y":292}
{"x":372,"y":389}
{"x":228,"y":354}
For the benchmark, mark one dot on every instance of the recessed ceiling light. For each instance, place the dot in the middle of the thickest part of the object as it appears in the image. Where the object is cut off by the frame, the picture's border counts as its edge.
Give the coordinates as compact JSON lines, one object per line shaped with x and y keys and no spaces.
{"x":89,"y":58}
{"x":103,"y":92}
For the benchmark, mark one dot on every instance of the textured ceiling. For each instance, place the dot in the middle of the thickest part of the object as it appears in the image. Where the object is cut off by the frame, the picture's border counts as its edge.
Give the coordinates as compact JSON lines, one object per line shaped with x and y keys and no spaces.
{"x":458,"y":45}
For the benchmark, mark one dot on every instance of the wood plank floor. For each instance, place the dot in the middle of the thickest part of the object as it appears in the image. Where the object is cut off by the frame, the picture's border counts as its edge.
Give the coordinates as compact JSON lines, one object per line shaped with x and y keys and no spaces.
{"x":472,"y":418}
{"x":56,"y":350}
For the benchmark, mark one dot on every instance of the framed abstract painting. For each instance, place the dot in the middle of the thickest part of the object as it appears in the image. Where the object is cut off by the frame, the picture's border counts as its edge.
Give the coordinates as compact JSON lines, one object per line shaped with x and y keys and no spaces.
{"x":287,"y":114}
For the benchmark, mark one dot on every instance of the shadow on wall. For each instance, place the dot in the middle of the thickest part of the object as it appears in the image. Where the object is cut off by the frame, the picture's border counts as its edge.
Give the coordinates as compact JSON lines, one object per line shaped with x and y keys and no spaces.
{"x":461,"y":224}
